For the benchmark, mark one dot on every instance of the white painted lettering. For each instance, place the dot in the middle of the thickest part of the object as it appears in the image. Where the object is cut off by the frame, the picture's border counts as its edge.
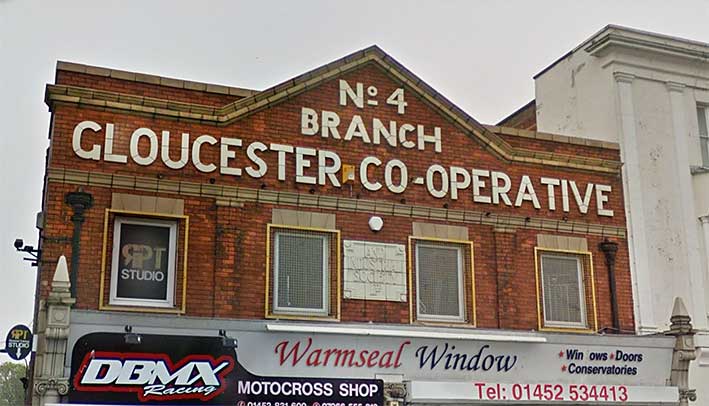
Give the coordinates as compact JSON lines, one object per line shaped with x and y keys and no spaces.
{"x":430,"y":185}
{"x":526,"y":192}
{"x":95,"y":151}
{"x":582,"y":203}
{"x":197,"y":148}
{"x":460,"y":179}
{"x":500,"y":191}
{"x":328,"y":171}
{"x":301,"y":162}
{"x":184,"y":151}
{"x":479,"y":184}
{"x":135,"y":142}
{"x":346,"y":91}
{"x":602,"y":199}
{"x":424,"y":138}
{"x":260,"y":163}
{"x":364,"y":178}
{"x":403,"y":176}
{"x":282,"y":151}
{"x":108,"y":154}
{"x":357,"y":129}
{"x":227,"y":154}
{"x":379,"y":130}
{"x":330,"y":121}
{"x":308,"y":121}
{"x":551,"y":182}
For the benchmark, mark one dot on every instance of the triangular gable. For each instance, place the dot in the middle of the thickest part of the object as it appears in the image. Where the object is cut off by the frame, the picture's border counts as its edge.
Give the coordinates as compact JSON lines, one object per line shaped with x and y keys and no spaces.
{"x":393,"y":68}
{"x":295,"y":86}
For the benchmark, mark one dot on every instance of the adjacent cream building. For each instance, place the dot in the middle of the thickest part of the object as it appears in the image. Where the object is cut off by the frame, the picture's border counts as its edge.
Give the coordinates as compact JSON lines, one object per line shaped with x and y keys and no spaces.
{"x":650,"y":93}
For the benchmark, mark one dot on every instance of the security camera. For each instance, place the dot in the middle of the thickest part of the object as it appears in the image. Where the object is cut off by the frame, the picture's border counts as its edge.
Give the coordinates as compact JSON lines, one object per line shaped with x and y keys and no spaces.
{"x":19,"y":243}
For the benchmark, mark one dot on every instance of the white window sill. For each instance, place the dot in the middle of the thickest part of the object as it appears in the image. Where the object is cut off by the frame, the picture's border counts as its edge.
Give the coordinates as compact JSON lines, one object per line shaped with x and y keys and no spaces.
{"x":696,"y":170}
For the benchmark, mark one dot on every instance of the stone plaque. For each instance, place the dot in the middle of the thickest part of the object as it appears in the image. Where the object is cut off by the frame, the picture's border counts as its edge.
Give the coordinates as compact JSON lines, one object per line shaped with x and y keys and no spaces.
{"x":375,"y":271}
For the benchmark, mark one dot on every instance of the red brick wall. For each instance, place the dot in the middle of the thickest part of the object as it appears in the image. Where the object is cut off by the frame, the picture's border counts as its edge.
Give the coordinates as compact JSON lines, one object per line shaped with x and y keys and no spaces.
{"x":226,"y":269}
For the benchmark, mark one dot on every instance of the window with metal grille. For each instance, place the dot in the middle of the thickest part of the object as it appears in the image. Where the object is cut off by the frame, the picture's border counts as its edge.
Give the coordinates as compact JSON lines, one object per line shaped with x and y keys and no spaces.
{"x":301,"y":275}
{"x":702,"y":113}
{"x":563,"y":294}
{"x":439,"y":282}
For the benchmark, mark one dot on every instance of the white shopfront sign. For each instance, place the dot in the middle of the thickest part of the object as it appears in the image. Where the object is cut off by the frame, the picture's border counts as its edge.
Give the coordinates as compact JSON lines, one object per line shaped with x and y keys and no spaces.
{"x":510,"y":359}
{"x":438,"y":365}
{"x":426,"y":392}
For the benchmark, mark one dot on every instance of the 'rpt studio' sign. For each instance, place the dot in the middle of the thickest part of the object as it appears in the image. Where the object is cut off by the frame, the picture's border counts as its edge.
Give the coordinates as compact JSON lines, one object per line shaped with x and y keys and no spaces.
{"x":18,"y":343}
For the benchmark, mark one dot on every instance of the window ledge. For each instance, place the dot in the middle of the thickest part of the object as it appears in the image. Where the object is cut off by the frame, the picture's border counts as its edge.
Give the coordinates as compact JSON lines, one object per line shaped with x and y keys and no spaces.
{"x":142,"y":309}
{"x":444,"y":323}
{"x":695,"y":170}
{"x":580,"y":330}
{"x":301,"y":317}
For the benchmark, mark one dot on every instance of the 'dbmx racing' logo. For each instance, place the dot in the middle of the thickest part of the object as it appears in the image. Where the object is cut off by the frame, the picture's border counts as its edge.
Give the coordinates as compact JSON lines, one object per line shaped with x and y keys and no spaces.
{"x":153,"y":376}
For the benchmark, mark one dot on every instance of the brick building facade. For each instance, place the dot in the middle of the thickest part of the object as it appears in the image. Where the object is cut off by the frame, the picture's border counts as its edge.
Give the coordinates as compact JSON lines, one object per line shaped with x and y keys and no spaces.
{"x":351,"y":201}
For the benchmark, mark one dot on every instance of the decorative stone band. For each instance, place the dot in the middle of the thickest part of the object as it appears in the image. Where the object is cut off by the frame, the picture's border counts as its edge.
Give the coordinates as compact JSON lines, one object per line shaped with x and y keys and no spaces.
{"x":239,"y":195}
{"x":152,"y":107}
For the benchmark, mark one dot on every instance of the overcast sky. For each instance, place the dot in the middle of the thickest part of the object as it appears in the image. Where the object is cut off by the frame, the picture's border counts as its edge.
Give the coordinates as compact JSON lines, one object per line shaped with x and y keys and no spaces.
{"x":480,"y":54}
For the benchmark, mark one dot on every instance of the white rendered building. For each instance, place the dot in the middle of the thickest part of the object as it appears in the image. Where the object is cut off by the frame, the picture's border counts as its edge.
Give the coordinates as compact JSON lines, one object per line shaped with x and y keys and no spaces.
{"x":650,"y":93}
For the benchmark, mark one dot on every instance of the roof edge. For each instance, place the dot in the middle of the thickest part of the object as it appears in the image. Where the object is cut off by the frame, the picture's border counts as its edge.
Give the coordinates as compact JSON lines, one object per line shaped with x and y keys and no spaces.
{"x":516,"y":112}
{"x":235,"y":110}
{"x":652,"y":39}
{"x":154,"y":79}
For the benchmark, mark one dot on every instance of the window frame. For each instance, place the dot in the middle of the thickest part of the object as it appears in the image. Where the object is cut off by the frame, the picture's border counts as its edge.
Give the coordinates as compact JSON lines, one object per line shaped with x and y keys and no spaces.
{"x":335,"y":293}
{"x":582,"y":293}
{"x":461,"y":285}
{"x":325,"y":309}
{"x":591,"y":316}
{"x":470,"y":309}
{"x":703,"y":138}
{"x":114,"y":299}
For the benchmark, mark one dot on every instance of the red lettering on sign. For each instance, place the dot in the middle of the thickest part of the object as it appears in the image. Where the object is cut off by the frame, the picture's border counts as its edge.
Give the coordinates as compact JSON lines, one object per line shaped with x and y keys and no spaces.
{"x":294,"y":352}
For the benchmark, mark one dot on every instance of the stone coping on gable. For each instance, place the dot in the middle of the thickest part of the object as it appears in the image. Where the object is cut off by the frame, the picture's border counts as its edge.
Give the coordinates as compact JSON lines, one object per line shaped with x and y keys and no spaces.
{"x":154,"y":79}
{"x":565,"y":139}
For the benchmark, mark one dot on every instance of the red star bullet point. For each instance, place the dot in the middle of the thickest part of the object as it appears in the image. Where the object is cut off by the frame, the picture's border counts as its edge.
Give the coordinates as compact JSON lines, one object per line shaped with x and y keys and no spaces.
{"x":612,"y":356}
{"x":563,"y":368}
{"x":561,"y":354}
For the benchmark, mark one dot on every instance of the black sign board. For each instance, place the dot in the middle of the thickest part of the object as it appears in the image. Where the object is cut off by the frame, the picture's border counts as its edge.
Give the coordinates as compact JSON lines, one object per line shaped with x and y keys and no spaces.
{"x":195,"y":370}
{"x":18,"y":343}
{"x":143,"y":257}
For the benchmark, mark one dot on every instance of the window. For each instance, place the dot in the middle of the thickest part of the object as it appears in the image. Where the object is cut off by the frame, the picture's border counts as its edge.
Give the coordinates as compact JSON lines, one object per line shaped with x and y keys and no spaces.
{"x":301,"y":272}
{"x":702,"y":113}
{"x":143,"y":262}
{"x":439,"y":282}
{"x":563,"y":291}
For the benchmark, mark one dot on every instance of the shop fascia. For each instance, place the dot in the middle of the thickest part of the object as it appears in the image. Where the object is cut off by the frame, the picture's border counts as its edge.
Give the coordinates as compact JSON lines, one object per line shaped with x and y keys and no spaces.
{"x":321,"y":166}
{"x":452,"y":364}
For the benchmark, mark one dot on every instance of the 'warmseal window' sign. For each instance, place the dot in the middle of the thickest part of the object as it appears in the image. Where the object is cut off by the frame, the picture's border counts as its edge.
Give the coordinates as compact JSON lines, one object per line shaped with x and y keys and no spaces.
{"x":143,"y":262}
{"x":245,"y":156}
